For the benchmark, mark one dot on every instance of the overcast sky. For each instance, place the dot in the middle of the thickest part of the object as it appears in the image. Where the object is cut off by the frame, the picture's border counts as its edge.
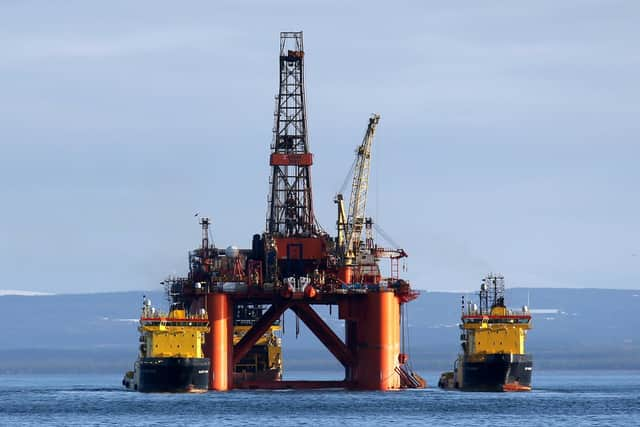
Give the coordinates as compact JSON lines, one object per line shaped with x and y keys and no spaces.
{"x":509,"y":137}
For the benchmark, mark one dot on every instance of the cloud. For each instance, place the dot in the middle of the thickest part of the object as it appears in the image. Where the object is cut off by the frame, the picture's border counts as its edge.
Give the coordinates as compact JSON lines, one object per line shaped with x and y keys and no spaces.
{"x":21,"y":293}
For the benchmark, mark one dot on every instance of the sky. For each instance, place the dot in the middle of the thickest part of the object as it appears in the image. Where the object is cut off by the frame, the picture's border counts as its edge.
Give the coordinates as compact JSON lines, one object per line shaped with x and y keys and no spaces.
{"x":508,"y":139}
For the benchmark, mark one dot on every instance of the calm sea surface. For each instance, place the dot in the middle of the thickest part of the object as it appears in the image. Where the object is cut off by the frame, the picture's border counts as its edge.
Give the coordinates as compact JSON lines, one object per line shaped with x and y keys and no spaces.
{"x":559,"y":398}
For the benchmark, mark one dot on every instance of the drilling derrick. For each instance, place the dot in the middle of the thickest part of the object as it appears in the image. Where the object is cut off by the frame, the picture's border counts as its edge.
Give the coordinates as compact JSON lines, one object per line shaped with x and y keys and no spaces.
{"x":293,"y":238}
{"x":291,"y":208}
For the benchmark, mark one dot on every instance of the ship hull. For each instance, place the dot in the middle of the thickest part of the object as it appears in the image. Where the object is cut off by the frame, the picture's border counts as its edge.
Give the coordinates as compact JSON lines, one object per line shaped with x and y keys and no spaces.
{"x":496,"y":372}
{"x":170,"y":375}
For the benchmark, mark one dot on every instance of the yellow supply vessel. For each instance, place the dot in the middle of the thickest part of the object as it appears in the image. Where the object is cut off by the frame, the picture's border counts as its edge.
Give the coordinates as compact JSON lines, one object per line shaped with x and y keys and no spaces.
{"x":493,"y":343}
{"x":264,"y":360}
{"x":171,"y":357}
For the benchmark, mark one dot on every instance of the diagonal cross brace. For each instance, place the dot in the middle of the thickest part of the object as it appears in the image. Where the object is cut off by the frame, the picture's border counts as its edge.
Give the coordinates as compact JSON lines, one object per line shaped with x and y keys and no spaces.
{"x":324,"y":333}
{"x":258,"y":329}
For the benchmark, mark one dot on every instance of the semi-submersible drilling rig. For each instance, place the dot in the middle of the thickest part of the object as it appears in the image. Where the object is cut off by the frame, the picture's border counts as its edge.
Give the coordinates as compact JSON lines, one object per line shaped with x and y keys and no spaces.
{"x":295,"y":265}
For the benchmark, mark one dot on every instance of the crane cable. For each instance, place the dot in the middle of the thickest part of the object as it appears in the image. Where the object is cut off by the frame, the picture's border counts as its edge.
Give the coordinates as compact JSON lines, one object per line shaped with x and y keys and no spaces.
{"x":386,"y":236}
{"x":349,"y":176}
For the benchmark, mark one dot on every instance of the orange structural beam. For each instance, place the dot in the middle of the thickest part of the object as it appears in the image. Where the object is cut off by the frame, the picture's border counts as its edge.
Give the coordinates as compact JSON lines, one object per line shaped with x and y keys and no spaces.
{"x":258,"y":329}
{"x":324,"y":333}
{"x":291,"y":159}
{"x":219,"y":341}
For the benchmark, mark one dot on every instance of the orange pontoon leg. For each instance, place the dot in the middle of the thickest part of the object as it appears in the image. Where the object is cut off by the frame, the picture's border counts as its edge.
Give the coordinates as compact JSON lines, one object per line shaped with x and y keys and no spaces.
{"x":219,"y":342}
{"x":373,"y":331}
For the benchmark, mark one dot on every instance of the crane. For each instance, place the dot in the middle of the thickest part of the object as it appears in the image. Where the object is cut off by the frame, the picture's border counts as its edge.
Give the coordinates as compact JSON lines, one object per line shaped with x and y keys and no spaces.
{"x":350,"y":224}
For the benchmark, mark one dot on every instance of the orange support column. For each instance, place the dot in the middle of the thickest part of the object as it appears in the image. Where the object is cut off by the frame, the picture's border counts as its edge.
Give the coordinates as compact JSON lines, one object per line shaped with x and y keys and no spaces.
{"x":219,"y":342}
{"x":377,"y":336}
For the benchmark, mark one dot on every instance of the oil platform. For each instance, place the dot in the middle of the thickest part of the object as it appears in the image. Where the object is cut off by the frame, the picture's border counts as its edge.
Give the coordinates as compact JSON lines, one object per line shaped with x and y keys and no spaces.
{"x":295,"y":265}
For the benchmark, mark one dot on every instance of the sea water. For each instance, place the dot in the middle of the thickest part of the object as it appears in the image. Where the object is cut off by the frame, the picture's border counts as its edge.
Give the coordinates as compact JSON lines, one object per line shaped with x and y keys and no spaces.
{"x":558,"y":398}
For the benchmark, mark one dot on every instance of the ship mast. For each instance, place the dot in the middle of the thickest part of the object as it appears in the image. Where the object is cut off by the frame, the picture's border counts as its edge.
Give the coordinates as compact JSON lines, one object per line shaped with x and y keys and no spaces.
{"x":491,"y":293}
{"x":205,"y":222}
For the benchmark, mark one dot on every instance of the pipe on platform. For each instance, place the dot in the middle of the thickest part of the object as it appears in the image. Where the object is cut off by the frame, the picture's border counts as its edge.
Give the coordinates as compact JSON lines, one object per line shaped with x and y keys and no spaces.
{"x":219,"y":341}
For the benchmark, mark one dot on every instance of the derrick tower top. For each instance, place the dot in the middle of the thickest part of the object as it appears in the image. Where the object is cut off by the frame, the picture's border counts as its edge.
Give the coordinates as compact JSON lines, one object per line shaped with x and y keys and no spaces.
{"x":290,"y":203}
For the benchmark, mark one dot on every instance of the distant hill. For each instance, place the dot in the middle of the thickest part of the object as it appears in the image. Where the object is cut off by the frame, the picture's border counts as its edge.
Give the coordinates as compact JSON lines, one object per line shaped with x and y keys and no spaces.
{"x":573,"y":329}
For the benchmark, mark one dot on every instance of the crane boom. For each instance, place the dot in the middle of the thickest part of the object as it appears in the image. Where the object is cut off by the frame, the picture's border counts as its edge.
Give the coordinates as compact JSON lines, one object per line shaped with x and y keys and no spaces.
{"x":359,"y":187}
